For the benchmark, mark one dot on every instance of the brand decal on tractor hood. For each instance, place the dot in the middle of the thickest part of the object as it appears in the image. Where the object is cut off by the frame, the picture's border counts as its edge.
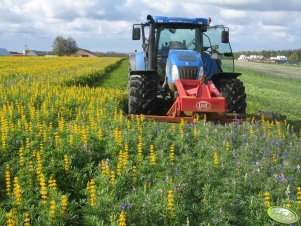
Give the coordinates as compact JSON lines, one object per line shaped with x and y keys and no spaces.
{"x":203,"y":105}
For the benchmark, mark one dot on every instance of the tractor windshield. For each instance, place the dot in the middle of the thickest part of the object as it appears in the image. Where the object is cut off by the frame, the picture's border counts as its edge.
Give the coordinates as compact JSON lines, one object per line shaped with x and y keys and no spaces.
{"x":212,"y":43}
{"x":171,"y":38}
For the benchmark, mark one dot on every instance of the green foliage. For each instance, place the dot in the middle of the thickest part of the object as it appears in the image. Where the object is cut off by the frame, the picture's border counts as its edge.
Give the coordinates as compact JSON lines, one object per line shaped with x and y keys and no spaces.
{"x":79,"y":135}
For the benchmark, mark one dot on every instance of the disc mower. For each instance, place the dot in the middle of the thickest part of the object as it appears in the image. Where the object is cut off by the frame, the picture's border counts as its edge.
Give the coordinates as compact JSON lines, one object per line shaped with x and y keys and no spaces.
{"x":184,"y":71}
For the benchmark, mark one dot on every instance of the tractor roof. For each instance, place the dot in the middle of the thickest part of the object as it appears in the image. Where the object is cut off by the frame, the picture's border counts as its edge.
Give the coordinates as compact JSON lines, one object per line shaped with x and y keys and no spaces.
{"x":177,"y":20}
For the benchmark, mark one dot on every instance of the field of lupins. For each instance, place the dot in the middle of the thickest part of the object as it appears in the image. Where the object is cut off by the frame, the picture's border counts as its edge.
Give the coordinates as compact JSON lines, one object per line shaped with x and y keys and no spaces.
{"x":69,"y":155}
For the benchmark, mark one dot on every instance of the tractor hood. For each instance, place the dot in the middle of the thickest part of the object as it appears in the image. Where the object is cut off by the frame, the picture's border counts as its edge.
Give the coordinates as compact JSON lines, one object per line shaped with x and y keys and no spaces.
{"x":183,"y":64}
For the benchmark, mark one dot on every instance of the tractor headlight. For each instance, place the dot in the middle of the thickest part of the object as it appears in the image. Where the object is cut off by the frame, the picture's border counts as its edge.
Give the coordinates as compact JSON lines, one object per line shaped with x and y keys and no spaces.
{"x":175,"y":73}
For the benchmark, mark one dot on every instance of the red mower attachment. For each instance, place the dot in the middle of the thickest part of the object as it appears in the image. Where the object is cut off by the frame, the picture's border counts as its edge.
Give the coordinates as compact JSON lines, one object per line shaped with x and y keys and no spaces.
{"x":196,"y":97}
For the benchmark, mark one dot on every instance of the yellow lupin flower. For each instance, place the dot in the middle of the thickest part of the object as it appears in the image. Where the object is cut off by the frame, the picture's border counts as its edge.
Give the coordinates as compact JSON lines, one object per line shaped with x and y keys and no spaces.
{"x":140,"y":146}
{"x":26,"y":221}
{"x":269,"y":133}
{"x":91,"y":186}
{"x":71,"y":139}
{"x":64,"y":203}
{"x":116,"y":135}
{"x":182,"y":124}
{"x":125,"y":156}
{"x":251,"y":131}
{"x":195,"y":132}
{"x":4,"y":132}
{"x":262,"y":120}
{"x":21,"y":156}
{"x":115,"y":114}
{"x":122,"y":219}
{"x":119,"y":163}
{"x":11,"y":221}
{"x":52,"y":211}
{"x":274,"y":158}
{"x":215,"y":159}
{"x":120,"y":116}
{"x":84,"y":136}
{"x":152,"y":155}
{"x":228,"y":146}
{"x":170,"y":201}
{"x":267,"y":199}
{"x":52,"y":184}
{"x":103,"y":166}
{"x":128,"y":124}
{"x":108,"y":171}
{"x":299,"y":198}
{"x":112,"y":179}
{"x":66,"y":163}
{"x":100,"y":134}
{"x":172,"y":153}
{"x":288,"y":205}
{"x":120,"y":138}
{"x":43,"y":189}
{"x":7,"y":180}
{"x":285,"y":122}
{"x":27,"y":143}
{"x":134,"y":173}
{"x":39,"y":165}
{"x":17,"y":191}
{"x":57,"y":140}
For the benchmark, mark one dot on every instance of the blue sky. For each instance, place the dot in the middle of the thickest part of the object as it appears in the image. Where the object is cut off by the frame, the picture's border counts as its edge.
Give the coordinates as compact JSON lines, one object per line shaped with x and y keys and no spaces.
{"x":105,"y":25}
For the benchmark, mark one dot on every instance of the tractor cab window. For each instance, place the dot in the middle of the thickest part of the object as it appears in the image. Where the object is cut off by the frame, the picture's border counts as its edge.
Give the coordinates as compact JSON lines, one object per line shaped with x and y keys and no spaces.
{"x":175,"y":39}
{"x":213,"y":45}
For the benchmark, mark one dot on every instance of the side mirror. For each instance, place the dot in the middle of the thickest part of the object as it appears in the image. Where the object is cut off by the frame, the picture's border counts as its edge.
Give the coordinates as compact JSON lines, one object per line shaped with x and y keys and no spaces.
{"x":136,"y":35}
{"x":225,"y":37}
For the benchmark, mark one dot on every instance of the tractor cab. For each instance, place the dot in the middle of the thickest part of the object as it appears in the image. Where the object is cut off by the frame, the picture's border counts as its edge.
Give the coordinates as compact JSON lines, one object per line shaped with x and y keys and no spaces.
{"x":177,"y":49}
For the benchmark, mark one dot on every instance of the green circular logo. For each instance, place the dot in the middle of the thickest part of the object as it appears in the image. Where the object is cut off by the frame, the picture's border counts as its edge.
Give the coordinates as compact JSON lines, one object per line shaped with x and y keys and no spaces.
{"x":282,"y":215}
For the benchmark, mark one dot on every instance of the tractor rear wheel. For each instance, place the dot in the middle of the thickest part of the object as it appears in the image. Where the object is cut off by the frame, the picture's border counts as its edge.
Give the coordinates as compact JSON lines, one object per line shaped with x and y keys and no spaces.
{"x":234,"y":92}
{"x":142,"y":94}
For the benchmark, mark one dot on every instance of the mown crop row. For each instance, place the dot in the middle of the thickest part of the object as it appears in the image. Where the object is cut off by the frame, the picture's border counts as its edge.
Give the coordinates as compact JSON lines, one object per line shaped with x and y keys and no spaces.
{"x":70,"y":156}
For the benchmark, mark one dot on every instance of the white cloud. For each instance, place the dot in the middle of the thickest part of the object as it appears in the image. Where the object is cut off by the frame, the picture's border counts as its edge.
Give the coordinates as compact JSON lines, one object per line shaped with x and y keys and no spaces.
{"x":112,"y":20}
{"x":232,"y":14}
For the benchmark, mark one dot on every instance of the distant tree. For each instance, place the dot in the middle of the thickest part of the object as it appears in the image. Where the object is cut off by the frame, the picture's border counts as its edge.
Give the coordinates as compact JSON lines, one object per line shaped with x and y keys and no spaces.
{"x":294,"y":57}
{"x":59,"y":45}
{"x":62,"y":46}
{"x":71,"y":46}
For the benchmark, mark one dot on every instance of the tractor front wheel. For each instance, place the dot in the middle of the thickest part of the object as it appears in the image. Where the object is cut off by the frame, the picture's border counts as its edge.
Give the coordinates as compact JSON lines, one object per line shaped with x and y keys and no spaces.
{"x":142,"y":94}
{"x":234,"y":92}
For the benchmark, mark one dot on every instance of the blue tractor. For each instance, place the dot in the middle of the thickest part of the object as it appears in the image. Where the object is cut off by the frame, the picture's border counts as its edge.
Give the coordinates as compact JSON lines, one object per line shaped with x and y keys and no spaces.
{"x":181,"y":49}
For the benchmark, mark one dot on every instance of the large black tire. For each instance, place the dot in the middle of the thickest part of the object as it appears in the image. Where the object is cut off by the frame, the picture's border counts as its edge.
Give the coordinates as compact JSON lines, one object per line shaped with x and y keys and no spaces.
{"x":234,"y":92}
{"x":142,"y":94}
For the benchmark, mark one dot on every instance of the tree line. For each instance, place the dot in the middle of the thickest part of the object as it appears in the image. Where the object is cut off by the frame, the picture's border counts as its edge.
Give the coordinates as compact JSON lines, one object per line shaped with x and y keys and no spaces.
{"x":292,"y":55}
{"x":67,"y":47}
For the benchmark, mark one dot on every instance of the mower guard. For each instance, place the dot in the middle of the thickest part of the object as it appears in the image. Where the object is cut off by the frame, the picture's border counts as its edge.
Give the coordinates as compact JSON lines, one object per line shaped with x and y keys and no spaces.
{"x":196,"y":97}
